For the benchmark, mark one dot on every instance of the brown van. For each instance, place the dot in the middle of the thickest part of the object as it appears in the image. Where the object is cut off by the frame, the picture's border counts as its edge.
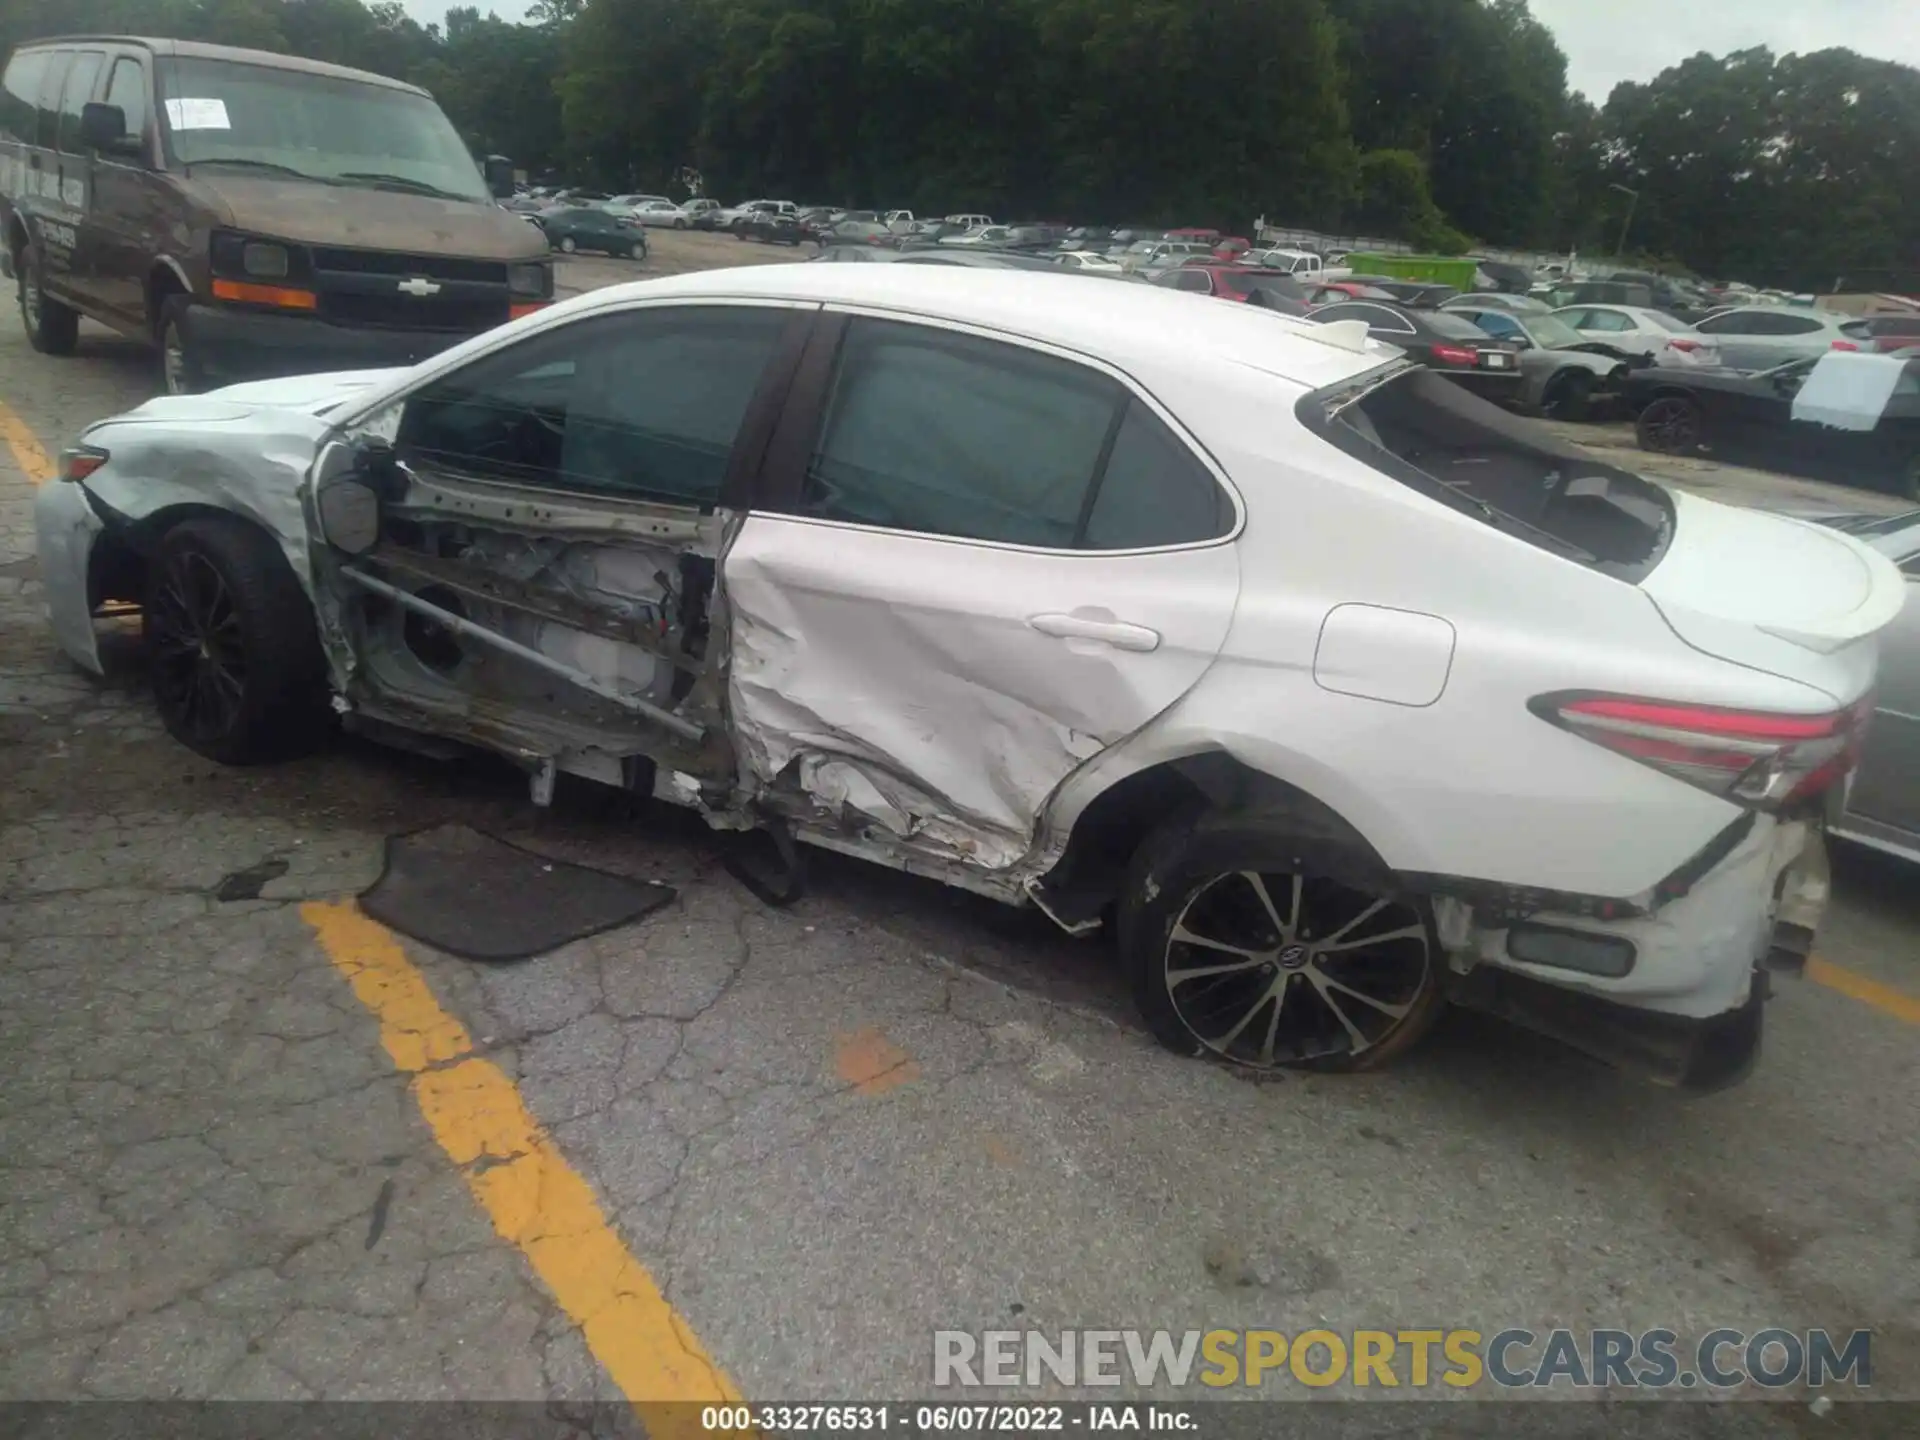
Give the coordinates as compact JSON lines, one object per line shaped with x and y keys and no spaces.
{"x":249,"y":214}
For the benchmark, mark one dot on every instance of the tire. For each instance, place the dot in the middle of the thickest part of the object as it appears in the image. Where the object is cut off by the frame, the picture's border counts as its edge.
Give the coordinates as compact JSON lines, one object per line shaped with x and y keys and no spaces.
{"x":637,"y":252}
{"x":1669,"y":425}
{"x":180,"y":370}
{"x":679,"y":224}
{"x":234,"y":655}
{"x":1569,"y":396}
{"x":1284,"y":1003}
{"x":568,"y":244}
{"x":52,"y":328}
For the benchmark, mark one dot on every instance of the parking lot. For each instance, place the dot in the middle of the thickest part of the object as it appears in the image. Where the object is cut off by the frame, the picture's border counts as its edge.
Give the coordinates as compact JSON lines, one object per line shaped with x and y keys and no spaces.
{"x":254,"y":1147}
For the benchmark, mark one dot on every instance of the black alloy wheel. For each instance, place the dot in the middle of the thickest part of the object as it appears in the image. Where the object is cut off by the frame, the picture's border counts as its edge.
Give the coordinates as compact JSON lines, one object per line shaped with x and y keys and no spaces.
{"x":1669,"y":425}
{"x":232,"y":647}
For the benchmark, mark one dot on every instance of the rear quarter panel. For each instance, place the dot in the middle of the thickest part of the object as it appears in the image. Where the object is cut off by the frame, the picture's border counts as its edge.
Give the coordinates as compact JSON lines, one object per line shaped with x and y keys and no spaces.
{"x":1472,"y":784}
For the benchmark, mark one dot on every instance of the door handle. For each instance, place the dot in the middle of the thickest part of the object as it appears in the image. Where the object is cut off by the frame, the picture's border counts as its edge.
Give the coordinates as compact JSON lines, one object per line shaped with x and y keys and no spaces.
{"x":1116,"y":633}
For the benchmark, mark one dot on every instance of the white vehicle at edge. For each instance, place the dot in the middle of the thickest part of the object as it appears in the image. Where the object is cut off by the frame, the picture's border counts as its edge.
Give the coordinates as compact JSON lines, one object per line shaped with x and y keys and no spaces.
{"x":1339,"y":692}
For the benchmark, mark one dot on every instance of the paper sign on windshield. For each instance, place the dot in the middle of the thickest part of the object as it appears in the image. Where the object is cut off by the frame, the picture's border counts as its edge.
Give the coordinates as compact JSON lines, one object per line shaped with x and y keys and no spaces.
{"x":198,"y":115}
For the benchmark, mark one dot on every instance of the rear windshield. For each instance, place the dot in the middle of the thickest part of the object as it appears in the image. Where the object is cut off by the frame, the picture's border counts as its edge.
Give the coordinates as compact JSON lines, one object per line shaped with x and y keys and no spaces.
{"x":1453,"y":327}
{"x":1433,"y":436}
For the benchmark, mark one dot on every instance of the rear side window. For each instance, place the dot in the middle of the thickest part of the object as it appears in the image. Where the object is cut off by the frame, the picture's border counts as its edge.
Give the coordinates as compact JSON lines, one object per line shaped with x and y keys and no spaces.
{"x":81,"y":79}
{"x":1738,"y":323}
{"x":973,"y":439}
{"x":1471,"y":456}
{"x":949,"y":434}
{"x":1154,"y":491}
{"x":20,"y":96}
{"x":1786,"y":325}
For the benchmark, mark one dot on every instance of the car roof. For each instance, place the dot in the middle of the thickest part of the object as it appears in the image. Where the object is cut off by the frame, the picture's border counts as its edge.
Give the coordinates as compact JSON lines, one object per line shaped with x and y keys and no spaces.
{"x":196,"y":50}
{"x":1147,"y":325}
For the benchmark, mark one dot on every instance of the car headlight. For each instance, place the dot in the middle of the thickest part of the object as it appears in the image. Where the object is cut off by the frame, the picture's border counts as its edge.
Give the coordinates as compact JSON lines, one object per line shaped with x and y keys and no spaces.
{"x":530,"y":282}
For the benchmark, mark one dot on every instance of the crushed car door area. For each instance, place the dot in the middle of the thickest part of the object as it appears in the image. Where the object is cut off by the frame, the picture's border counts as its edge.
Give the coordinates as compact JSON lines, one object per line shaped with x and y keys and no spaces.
{"x":972,"y":565}
{"x":542,"y":577}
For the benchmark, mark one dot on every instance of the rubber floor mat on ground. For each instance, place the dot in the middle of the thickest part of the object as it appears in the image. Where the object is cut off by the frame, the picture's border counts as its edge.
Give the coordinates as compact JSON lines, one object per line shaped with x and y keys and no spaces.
{"x":480,"y":898}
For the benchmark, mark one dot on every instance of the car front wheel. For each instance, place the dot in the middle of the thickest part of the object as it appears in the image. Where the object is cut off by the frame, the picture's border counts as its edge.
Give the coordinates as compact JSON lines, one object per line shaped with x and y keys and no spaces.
{"x":568,"y":244}
{"x":231,"y":644}
{"x":1266,"y":950}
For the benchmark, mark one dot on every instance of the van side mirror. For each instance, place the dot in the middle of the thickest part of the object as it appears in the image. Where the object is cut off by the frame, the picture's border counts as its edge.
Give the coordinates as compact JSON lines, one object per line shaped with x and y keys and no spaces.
{"x":104,"y":127}
{"x":499,"y":173}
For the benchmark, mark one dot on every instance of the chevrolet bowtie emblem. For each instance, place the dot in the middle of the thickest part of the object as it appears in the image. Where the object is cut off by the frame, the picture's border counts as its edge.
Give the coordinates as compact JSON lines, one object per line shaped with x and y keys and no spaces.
{"x":418,"y":285}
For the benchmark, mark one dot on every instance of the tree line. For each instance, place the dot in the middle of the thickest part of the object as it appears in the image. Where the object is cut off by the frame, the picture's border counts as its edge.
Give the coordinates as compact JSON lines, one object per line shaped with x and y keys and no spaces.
{"x":1447,"y":123}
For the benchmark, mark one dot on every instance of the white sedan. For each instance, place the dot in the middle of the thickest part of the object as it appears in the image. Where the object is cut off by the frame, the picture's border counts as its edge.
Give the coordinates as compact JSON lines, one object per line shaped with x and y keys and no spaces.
{"x":1332,"y":692}
{"x":1660,"y":337}
{"x":1088,"y":260}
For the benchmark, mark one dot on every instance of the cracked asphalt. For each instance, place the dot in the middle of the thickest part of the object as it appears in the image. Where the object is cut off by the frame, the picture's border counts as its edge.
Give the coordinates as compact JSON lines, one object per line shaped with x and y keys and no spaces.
{"x":822,"y":1132}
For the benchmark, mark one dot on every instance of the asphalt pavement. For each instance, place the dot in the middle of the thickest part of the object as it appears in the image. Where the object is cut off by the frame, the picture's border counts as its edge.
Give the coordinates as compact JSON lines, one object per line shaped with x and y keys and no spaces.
{"x":253,"y":1146}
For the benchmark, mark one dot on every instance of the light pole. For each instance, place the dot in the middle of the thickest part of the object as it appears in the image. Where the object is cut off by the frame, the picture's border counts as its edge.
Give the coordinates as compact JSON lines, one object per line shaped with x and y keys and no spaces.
{"x":1633,"y":199}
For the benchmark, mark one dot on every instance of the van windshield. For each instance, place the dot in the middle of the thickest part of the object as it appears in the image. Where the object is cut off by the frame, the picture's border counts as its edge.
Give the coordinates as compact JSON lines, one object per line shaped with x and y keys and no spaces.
{"x":297,"y":124}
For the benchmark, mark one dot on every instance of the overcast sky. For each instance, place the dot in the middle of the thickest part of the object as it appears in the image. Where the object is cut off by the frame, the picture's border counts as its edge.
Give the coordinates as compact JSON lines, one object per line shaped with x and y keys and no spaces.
{"x":1608,"y":41}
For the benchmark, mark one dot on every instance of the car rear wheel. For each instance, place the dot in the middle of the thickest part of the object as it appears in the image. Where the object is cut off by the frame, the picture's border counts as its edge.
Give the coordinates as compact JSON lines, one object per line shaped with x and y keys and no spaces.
{"x":637,"y":252}
{"x":1669,"y":426}
{"x":568,"y":244}
{"x":1570,"y":396}
{"x":1268,"y":951}
{"x":52,"y":328}
{"x":235,"y":658}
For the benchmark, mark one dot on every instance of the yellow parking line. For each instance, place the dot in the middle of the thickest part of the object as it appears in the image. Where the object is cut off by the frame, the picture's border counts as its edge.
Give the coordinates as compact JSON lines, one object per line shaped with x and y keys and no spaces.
{"x":536,"y":1200}
{"x":1883,"y":998}
{"x":28,"y":453}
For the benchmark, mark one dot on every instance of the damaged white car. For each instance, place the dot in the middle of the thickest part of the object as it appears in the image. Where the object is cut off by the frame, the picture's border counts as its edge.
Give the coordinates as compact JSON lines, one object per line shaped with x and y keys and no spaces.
{"x":1335,"y":693}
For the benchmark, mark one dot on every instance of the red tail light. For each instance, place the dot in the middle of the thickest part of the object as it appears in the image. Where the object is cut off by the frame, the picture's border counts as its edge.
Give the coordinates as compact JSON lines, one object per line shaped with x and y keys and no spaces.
{"x":1845,"y":345}
{"x":1456,"y":355}
{"x":1689,"y":346}
{"x":1756,"y":758}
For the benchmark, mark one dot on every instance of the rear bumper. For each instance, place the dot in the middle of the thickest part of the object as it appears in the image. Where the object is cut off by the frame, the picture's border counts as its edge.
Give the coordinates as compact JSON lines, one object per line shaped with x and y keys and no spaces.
{"x":1682,"y":1006}
{"x":229,"y":345}
{"x":1496,"y":385}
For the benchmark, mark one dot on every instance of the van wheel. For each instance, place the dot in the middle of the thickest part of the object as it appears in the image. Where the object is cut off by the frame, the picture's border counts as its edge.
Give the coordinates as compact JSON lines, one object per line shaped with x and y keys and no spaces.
{"x":52,"y":328}
{"x":179,"y":366}
{"x":1269,"y":951}
{"x":237,"y":670}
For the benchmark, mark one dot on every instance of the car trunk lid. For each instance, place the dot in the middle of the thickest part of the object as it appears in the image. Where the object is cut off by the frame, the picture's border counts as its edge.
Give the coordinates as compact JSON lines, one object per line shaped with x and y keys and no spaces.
{"x":1791,"y":598}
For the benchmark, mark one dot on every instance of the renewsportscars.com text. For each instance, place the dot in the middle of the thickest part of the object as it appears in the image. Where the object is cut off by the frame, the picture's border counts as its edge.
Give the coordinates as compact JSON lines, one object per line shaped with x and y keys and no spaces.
{"x":1392,"y":1359}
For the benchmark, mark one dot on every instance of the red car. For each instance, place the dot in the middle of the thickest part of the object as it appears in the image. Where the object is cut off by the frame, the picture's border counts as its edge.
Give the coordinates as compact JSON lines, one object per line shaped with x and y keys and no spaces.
{"x":1195,"y":235}
{"x":1275,"y":288}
